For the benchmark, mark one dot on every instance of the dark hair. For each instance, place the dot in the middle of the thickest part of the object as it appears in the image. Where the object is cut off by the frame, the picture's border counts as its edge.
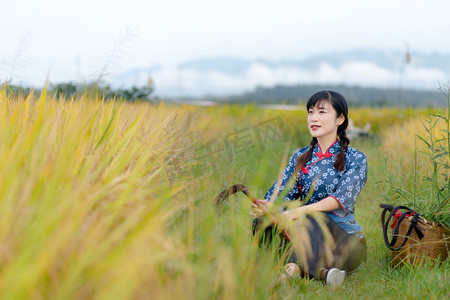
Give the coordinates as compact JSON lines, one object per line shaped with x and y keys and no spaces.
{"x":340,"y":106}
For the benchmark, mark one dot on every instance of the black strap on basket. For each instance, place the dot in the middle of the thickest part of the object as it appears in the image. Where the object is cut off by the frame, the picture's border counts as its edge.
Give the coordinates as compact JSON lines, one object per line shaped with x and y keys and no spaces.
{"x":384,"y":224}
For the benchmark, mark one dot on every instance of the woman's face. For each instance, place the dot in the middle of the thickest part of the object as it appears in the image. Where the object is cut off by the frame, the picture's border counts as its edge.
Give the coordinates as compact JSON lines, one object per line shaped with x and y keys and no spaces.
{"x":322,"y":120}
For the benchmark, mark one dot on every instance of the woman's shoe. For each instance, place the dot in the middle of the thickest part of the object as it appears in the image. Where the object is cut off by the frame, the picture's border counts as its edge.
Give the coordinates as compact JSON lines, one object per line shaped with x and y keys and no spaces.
{"x":335,"y":277}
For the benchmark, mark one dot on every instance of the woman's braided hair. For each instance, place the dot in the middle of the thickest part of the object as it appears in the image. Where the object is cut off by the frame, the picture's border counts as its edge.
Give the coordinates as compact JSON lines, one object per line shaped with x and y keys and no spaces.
{"x":340,"y":105}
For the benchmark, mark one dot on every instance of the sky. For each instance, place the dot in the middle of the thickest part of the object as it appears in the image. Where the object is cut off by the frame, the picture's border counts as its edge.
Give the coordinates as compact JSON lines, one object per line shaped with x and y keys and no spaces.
{"x":75,"y":40}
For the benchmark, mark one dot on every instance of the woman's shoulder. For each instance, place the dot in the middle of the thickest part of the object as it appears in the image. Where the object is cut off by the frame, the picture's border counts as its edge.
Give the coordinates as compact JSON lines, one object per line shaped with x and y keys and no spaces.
{"x":297,"y":153}
{"x":355,"y":156}
{"x":300,"y":151}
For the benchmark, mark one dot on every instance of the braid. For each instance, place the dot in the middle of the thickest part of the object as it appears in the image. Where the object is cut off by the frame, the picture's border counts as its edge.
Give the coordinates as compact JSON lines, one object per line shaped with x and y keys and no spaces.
{"x":305,"y":157}
{"x":339,"y":164}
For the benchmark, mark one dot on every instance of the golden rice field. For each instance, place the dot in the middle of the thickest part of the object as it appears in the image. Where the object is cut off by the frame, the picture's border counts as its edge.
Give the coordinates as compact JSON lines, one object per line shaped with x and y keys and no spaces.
{"x":114,"y":200}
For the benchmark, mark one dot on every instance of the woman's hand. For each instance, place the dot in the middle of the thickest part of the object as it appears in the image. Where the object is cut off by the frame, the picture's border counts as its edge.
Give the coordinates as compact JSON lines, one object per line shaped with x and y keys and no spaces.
{"x":261,"y":208}
{"x":290,"y":215}
{"x":293,"y":214}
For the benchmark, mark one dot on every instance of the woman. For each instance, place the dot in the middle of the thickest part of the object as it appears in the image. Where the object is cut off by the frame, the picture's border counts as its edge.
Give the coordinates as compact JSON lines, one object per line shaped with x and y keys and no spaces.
{"x":336,"y":173}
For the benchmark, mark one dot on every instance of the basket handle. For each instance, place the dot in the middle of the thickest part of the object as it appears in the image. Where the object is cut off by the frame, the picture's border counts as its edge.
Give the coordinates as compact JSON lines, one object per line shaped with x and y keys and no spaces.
{"x":384,"y":224}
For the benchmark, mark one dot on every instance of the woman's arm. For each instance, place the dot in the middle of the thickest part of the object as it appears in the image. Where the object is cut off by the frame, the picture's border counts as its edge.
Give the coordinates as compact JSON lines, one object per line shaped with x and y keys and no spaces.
{"x":351,"y":183}
{"x":326,"y":204}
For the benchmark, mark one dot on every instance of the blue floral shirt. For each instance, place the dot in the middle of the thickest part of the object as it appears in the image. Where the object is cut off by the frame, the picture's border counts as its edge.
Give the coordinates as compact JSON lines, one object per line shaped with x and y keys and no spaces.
{"x":320,"y":174}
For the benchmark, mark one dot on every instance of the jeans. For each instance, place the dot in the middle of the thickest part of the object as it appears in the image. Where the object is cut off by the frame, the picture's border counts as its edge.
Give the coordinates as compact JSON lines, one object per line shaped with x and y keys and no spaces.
{"x":347,"y":253}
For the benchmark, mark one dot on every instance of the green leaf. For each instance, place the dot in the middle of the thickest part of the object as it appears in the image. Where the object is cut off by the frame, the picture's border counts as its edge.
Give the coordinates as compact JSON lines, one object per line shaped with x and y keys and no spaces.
{"x":423,"y":140}
{"x":443,"y":139}
{"x":440,"y":116}
{"x":105,"y":132}
{"x":439,"y":155}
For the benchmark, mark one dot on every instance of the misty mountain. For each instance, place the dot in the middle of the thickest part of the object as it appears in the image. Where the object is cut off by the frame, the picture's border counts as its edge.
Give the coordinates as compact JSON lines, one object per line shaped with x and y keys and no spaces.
{"x":355,"y":96}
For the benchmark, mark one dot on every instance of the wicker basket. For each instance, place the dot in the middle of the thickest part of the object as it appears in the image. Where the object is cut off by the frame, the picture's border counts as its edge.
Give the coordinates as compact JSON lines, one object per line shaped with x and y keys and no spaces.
{"x":434,"y":245}
{"x":414,"y":239}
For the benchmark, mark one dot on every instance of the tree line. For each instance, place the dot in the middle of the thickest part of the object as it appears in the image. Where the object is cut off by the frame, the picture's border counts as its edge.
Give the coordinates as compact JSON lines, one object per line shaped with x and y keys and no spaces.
{"x":355,"y":95}
{"x":68,"y":90}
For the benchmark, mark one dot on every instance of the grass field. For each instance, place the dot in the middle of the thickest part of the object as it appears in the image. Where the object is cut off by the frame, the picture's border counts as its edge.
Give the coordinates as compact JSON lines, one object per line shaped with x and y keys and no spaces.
{"x":113,"y":200}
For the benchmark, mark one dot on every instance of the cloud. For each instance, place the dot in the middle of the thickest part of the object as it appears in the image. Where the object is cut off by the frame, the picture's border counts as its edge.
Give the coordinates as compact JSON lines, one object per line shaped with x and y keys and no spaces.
{"x":173,"y":81}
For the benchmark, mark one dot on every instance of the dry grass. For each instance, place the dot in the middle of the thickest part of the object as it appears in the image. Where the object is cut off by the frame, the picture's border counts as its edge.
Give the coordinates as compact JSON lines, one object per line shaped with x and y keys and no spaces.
{"x":83,"y":197}
{"x":109,"y":200}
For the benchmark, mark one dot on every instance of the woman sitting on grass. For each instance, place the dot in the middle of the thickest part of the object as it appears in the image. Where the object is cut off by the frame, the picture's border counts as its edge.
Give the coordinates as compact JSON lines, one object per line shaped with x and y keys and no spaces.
{"x":337,"y":173}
